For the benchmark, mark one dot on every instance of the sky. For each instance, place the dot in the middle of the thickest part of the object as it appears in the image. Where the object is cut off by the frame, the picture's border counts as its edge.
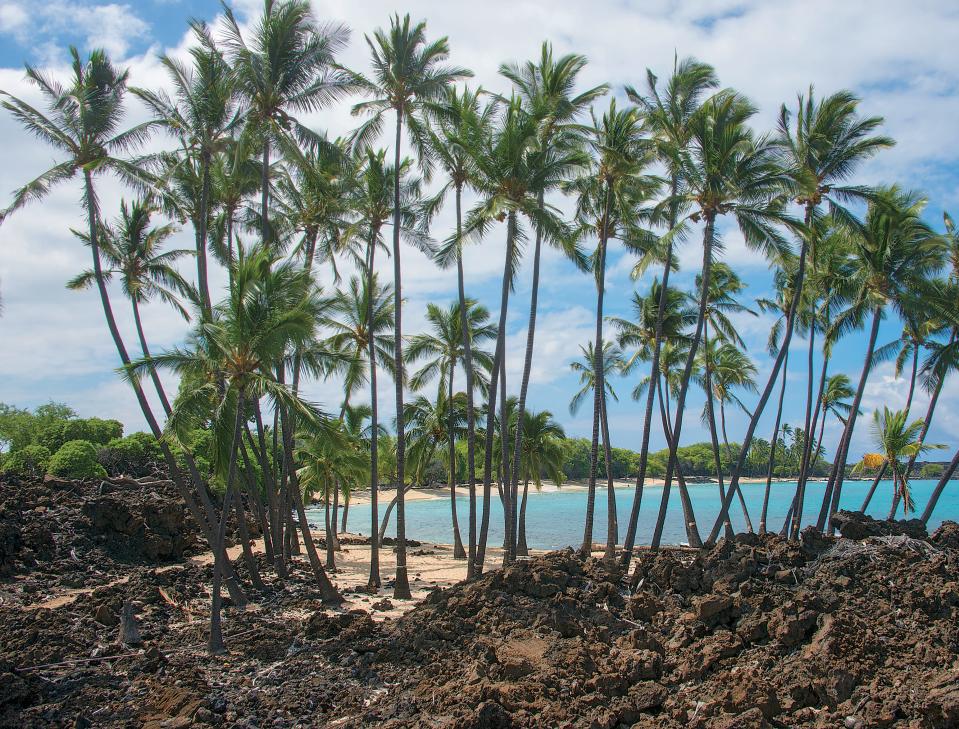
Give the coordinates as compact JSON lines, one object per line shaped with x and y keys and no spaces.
{"x":902,"y":63}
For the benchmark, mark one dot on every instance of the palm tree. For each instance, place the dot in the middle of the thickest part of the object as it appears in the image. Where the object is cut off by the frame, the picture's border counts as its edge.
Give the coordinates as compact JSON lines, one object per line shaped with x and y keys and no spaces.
{"x":829,"y":141}
{"x":896,"y":437}
{"x":726,"y":170}
{"x":287,"y":67}
{"x":894,"y":250}
{"x":668,"y":114}
{"x":546,"y":88}
{"x":444,"y":347}
{"x":611,"y":193}
{"x":133,"y":251}
{"x":641,"y":333}
{"x":407,"y":73}
{"x":234,"y":176}
{"x":374,"y":204}
{"x":455,"y":122}
{"x":200,"y":115}
{"x":509,"y":172}
{"x":543,"y":454}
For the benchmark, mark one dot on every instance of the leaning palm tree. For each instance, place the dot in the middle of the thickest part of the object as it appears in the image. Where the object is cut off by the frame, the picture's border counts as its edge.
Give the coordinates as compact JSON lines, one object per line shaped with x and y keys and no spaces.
{"x":610,"y":196}
{"x":829,"y":141}
{"x":546,"y":88}
{"x":133,"y":251}
{"x":896,"y":438}
{"x":894,"y":253}
{"x":455,"y":122}
{"x":407,"y":72}
{"x":200,"y":116}
{"x":442,"y":346}
{"x":726,"y":170}
{"x":543,"y":454}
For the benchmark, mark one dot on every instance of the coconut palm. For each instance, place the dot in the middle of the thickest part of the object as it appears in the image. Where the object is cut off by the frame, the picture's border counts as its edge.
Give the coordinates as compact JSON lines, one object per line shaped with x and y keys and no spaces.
{"x":896,"y":438}
{"x":726,"y":170}
{"x":200,"y":115}
{"x":408,"y":71}
{"x":611,"y":361}
{"x":235,"y":176}
{"x":610,"y":196}
{"x":543,"y":454}
{"x":444,"y":349}
{"x":894,"y":251}
{"x":286,"y":67}
{"x":668,"y":113}
{"x":373,"y":204}
{"x":546,"y":88}
{"x":828,"y":142}
{"x":133,"y":251}
{"x":456,"y":121}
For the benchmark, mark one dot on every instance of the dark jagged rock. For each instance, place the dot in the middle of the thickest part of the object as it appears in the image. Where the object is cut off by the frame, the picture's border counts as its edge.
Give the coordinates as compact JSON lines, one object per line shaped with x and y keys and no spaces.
{"x":853,"y":525}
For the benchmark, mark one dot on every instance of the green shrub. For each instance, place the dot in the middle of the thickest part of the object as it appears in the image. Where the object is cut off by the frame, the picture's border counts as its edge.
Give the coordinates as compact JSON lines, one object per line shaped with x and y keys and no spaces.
{"x":76,"y":459}
{"x":29,"y":461}
{"x":54,"y":434}
{"x":138,"y":454}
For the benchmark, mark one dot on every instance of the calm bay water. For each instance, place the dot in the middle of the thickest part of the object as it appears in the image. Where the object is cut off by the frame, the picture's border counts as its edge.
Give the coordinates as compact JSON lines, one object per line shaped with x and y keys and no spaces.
{"x":555,"y":519}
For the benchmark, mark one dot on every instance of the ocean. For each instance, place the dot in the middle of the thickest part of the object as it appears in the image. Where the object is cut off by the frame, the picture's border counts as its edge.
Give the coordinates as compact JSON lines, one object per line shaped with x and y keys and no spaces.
{"x":555,"y":519}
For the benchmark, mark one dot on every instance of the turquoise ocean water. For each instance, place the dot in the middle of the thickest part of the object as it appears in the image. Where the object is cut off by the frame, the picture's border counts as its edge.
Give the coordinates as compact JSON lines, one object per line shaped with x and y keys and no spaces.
{"x":555,"y":519}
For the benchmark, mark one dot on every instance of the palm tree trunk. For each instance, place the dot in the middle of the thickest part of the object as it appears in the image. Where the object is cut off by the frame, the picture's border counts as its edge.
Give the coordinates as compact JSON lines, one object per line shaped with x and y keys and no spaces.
{"x":389,"y":510}
{"x":599,"y":384}
{"x":714,"y":440}
{"x":633,"y":524}
{"x":840,"y":465}
{"x":524,"y":382}
{"x":689,"y":519}
{"x":346,"y":511}
{"x":335,"y":514}
{"x":927,"y":421}
{"x":374,"y":581}
{"x":499,"y":357}
{"x":201,"y":235}
{"x":775,"y":439}
{"x":708,"y":235}
{"x":912,"y":380}
{"x":729,"y":457}
{"x":273,"y":496}
{"x":206,"y":518}
{"x":612,"y":518}
{"x":154,"y":375}
{"x":215,"y":644}
{"x":510,"y":503}
{"x":767,"y":390}
{"x":811,"y":455}
{"x":458,"y":551}
{"x":522,"y":550}
{"x":330,"y":519}
{"x":401,"y":586}
{"x":470,"y":414}
{"x":248,"y":558}
{"x":254,"y":495}
{"x":872,"y":489}
{"x":937,"y":492}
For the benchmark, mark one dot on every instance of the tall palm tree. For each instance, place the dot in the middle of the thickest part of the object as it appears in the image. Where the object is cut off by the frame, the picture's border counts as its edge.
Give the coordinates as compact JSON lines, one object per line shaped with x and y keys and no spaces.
{"x":456,"y":121}
{"x":200,"y":115}
{"x":828,"y":142}
{"x":726,"y":170}
{"x":896,"y":438}
{"x":543,"y":454}
{"x":894,"y":251}
{"x":444,"y":348}
{"x":408,"y":71}
{"x":610,"y":197}
{"x":133,"y":251}
{"x":546,"y":88}
{"x":374,"y":203}
{"x":668,"y":114}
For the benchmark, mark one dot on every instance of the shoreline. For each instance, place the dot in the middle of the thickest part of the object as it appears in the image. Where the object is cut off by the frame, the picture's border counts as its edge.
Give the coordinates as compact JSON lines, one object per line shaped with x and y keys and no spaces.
{"x":432,"y":493}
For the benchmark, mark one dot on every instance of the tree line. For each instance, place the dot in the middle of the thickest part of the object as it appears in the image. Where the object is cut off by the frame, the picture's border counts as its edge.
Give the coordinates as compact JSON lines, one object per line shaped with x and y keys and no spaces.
{"x":661,"y":165}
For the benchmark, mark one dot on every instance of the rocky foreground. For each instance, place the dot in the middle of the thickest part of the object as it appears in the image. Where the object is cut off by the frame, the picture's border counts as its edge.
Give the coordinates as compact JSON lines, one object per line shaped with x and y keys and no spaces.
{"x":854,"y":632}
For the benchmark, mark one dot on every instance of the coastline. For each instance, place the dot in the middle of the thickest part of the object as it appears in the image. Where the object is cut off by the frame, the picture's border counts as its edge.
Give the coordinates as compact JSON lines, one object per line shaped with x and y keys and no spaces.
{"x":362,"y":498}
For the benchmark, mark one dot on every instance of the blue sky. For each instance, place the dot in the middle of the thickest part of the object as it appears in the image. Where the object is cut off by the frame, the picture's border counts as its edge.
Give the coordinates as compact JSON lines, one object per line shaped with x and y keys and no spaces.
{"x":902,"y":64}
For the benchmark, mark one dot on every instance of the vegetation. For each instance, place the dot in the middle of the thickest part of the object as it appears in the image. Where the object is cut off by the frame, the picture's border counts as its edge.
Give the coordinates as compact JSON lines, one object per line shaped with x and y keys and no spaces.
{"x":278,"y":205}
